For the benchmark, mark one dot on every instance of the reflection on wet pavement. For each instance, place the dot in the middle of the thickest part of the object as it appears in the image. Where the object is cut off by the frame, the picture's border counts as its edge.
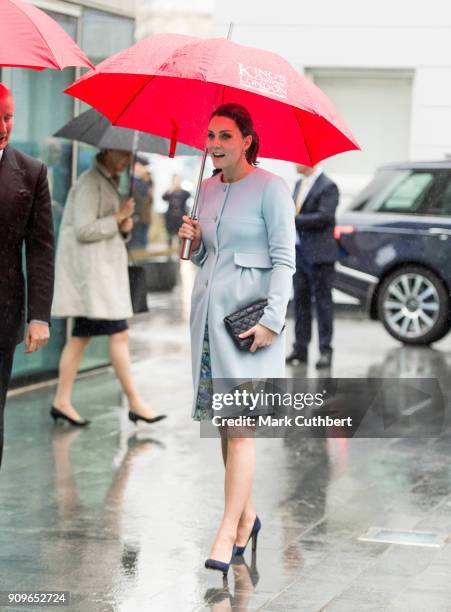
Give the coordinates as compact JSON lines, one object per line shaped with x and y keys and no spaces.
{"x":123,"y":516}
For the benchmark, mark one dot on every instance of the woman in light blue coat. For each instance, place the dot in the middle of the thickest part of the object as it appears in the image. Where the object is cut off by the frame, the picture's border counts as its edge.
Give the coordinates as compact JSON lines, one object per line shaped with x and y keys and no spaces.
{"x":244,"y":244}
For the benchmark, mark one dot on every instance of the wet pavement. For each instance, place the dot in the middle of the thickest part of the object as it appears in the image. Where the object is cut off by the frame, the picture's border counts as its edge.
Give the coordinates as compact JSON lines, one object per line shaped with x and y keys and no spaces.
{"x":122,"y":517}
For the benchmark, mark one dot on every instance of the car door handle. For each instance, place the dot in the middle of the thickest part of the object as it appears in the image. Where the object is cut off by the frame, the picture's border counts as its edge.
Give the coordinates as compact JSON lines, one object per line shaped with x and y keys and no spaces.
{"x":440,"y":230}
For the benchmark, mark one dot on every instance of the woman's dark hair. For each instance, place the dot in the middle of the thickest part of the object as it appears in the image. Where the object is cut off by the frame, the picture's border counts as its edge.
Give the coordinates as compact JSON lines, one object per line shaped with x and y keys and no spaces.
{"x":242,"y":118}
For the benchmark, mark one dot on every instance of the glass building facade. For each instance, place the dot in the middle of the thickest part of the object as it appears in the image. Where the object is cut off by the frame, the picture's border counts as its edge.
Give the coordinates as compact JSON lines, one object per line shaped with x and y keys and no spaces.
{"x":41,"y":108}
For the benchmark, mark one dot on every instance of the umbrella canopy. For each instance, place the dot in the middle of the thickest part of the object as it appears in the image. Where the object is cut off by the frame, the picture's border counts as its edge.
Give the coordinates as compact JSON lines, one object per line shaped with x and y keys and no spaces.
{"x":169,"y":84}
{"x":93,"y":128}
{"x":31,"y":39}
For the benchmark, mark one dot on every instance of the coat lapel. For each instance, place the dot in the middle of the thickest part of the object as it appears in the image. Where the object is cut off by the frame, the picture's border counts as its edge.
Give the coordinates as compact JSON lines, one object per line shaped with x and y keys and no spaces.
{"x":9,"y":161}
{"x":315,"y":190}
{"x":10,"y":176}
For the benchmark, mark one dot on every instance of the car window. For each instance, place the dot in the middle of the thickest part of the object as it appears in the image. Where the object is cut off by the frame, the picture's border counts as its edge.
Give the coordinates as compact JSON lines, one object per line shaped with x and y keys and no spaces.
{"x":382,"y":181}
{"x":406,"y":196}
{"x":439,"y":203}
{"x":406,"y":190}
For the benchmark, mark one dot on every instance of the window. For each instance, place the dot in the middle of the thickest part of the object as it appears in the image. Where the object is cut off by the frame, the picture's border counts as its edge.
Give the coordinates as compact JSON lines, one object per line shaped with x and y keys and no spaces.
{"x":407,"y":195}
{"x":382,"y":181}
{"x":105,"y":34}
{"x":396,"y":191}
{"x":439,"y":203}
{"x":102,"y":36}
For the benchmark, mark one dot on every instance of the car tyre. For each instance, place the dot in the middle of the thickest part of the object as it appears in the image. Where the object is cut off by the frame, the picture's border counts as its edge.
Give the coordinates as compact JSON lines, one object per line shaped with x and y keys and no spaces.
{"x":413,"y":305}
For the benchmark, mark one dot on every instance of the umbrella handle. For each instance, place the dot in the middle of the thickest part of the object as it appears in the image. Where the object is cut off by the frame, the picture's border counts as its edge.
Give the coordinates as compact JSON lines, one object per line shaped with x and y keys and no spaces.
{"x":186,"y":249}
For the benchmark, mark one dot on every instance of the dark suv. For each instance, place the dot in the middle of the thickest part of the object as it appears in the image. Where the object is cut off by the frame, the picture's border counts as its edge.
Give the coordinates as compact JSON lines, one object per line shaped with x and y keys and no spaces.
{"x":395,"y":250}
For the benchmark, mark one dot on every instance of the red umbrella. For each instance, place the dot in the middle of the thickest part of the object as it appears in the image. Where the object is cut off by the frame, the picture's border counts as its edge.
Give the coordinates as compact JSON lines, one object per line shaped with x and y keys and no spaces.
{"x":169,"y":84}
{"x":31,"y":39}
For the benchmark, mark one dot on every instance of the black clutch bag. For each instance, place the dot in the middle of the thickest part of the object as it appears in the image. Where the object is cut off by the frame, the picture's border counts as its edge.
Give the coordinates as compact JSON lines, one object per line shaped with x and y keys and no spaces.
{"x":241,"y":320}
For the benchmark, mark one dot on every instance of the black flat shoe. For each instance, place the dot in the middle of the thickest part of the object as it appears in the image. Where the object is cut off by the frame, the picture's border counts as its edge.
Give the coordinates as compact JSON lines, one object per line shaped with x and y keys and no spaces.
{"x":57,"y":414}
{"x":325,"y":360}
{"x":137,"y":417}
{"x":296,"y":358}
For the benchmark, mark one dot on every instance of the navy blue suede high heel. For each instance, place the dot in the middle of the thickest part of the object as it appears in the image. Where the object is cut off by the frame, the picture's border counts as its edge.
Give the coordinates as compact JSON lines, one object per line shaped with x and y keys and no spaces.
{"x":239,"y":550}
{"x":218,"y":565}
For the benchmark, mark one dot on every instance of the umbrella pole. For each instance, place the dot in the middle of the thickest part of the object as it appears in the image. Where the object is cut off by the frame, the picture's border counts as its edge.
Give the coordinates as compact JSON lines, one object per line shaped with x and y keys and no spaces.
{"x":131,"y":175}
{"x":131,"y":182}
{"x":186,"y":249}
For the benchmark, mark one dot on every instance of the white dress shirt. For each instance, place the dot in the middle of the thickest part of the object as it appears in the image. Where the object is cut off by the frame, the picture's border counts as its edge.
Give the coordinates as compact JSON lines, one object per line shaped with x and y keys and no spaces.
{"x":309,"y":181}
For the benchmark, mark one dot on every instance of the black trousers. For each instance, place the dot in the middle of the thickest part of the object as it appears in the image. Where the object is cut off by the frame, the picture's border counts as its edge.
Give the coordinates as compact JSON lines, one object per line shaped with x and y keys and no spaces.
{"x":6,"y":364}
{"x":313,"y":282}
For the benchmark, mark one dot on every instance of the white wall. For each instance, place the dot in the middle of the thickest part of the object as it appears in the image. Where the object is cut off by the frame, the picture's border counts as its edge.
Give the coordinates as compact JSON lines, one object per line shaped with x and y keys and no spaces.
{"x":179,"y":16}
{"x":431,"y":117}
{"x":377,"y":104}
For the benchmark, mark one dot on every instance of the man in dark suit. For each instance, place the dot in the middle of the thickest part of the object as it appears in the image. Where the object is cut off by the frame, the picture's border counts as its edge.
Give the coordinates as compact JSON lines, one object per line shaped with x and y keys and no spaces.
{"x":316,"y":199}
{"x":25,"y":218}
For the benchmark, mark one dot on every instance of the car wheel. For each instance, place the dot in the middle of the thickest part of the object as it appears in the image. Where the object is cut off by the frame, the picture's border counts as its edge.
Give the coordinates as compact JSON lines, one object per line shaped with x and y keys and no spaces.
{"x":413,"y":305}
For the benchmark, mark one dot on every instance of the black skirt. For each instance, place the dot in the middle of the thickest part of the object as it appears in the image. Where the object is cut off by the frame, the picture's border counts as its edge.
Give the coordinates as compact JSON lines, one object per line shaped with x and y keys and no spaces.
{"x":85,"y":328}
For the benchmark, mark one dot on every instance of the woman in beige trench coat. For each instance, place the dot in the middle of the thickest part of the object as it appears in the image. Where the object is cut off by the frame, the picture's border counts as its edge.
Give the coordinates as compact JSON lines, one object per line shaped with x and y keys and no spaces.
{"x":91,"y":281}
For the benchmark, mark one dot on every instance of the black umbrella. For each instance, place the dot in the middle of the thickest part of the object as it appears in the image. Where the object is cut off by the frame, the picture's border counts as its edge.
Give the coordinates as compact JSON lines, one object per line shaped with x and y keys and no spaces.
{"x":95,"y":129}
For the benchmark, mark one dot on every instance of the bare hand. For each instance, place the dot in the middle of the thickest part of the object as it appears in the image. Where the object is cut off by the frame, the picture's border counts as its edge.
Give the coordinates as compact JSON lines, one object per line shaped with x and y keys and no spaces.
{"x":191,"y":230}
{"x":126,"y":226}
{"x":263,"y":336}
{"x":37,"y":335}
{"x":125,"y":211}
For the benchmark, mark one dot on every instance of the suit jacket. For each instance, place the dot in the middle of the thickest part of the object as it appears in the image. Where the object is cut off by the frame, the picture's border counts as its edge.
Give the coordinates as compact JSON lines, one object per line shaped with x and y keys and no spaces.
{"x":25,"y":218}
{"x":316,"y":221}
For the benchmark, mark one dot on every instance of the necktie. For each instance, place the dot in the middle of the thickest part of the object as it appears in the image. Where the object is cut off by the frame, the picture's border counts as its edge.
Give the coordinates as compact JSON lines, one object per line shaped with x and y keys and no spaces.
{"x":301,"y":195}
